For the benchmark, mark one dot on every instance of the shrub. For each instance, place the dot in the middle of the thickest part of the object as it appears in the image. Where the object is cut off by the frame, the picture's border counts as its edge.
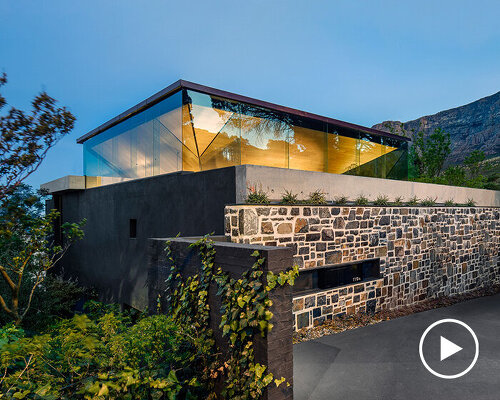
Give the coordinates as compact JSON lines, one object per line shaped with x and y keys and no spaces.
{"x":381,"y":200}
{"x":104,"y":358}
{"x":413,"y":201}
{"x":428,"y":202}
{"x":361,"y":200}
{"x":449,"y":203}
{"x":317,"y":197}
{"x":470,"y":203}
{"x":398,"y":201}
{"x":289,"y":198}
{"x":257,"y":196}
{"x":55,"y":299}
{"x":340,"y":200}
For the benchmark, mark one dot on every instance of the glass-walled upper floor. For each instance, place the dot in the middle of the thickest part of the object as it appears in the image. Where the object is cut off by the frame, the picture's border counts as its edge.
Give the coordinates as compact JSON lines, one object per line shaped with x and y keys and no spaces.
{"x":194,"y":131}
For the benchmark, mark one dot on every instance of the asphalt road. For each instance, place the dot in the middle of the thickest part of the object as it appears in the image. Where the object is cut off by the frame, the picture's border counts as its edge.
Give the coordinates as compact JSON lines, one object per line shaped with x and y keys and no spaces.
{"x":382,"y":361}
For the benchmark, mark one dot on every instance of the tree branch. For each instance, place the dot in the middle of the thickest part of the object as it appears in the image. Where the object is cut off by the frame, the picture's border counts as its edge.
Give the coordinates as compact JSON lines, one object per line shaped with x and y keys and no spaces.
{"x":5,"y":307}
{"x":7,"y":278}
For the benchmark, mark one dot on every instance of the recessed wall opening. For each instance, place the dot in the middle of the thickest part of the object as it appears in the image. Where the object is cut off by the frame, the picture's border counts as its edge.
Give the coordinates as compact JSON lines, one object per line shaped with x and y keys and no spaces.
{"x":332,"y":276}
{"x":133,"y":228}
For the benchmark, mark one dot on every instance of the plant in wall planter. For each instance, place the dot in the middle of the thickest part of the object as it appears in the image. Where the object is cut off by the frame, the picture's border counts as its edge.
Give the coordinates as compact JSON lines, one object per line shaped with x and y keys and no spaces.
{"x":289,"y":198}
{"x":318,"y":197}
{"x":257,"y":196}
{"x":361,"y":201}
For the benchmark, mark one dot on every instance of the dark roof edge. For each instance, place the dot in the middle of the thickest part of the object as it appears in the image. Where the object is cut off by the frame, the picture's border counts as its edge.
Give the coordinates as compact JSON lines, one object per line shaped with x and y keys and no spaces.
{"x":180,"y":84}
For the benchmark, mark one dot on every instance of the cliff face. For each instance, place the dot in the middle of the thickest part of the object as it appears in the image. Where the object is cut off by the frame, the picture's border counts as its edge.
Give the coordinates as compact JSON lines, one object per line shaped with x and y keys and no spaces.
{"x":475,"y":126}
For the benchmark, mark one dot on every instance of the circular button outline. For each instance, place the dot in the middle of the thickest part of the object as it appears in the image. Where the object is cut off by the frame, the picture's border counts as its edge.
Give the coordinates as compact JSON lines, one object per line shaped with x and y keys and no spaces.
{"x":421,"y":344}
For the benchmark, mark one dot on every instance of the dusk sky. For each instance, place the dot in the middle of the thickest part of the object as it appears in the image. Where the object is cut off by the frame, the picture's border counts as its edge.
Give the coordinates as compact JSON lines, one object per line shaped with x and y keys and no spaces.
{"x":359,"y":61}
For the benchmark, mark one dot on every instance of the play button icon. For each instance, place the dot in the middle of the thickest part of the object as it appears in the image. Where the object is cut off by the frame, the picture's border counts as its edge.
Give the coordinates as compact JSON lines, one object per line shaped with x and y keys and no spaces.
{"x":449,"y":348}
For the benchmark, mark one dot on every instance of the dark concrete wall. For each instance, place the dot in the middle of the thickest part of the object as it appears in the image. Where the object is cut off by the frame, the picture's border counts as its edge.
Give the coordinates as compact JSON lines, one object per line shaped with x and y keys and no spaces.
{"x":187,"y":203}
{"x":276,"y":349}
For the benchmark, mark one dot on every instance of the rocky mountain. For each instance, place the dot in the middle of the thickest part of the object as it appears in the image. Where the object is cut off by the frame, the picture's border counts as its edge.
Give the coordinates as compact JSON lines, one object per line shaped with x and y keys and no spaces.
{"x":475,"y":126}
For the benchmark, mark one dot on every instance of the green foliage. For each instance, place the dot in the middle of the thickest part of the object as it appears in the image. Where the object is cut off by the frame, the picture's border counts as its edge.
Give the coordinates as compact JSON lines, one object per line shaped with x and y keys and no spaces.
{"x":454,"y":175}
{"x":54,"y":299}
{"x":245,"y":309}
{"x":340,"y":200}
{"x":26,"y":137}
{"x":361,"y":200}
{"x":27,"y":250}
{"x":470,"y":203}
{"x":289,"y":198}
{"x":257,"y":196}
{"x":83,"y":358}
{"x":413,"y":201}
{"x":317,"y":197}
{"x":381,"y":200}
{"x":10,"y":333}
{"x":428,"y":153}
{"x":428,"y":202}
{"x":473,"y":161}
{"x":398,"y":201}
{"x":449,"y":203}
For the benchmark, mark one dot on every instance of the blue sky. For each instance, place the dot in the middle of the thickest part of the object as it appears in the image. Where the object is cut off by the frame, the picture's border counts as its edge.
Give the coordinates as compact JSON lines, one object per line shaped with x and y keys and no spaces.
{"x":362,"y":61}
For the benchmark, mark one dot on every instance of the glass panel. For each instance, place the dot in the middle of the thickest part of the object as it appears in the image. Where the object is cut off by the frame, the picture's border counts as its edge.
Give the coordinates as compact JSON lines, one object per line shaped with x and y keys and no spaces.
{"x":397,"y":161}
{"x":192,"y":131}
{"x":264,"y":137}
{"x":371,"y":156}
{"x":167,"y":149}
{"x":224,"y":151}
{"x":143,"y":145}
{"x":343,"y":152}
{"x":307,"y":146}
{"x":211,"y":131}
{"x":190,"y":159}
{"x":209,"y":116}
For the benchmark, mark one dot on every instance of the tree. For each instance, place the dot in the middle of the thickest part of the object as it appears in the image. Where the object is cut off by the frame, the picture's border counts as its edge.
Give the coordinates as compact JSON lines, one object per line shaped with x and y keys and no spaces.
{"x":473,"y":162}
{"x":27,"y":252}
{"x":427,"y":153}
{"x":25,"y":137}
{"x":430,"y":152}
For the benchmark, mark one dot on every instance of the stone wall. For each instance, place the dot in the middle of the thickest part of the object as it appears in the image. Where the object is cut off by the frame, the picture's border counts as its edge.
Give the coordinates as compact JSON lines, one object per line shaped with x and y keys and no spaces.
{"x":315,"y":308}
{"x":424,"y":252}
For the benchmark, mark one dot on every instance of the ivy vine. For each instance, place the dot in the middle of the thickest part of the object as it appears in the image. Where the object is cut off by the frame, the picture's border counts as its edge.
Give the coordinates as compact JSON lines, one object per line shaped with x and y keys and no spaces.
{"x":245,"y":313}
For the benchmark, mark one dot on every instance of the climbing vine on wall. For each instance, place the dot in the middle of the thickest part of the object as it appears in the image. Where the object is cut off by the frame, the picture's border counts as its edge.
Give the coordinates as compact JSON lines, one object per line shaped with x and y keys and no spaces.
{"x":245,"y":313}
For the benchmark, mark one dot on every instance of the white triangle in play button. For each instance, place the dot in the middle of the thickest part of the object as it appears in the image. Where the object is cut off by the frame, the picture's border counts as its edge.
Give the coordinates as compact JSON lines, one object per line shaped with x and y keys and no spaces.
{"x":448,"y":348}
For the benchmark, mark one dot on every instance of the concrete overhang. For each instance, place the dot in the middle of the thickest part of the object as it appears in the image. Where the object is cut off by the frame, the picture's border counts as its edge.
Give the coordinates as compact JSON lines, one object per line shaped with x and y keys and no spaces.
{"x":70,"y":183}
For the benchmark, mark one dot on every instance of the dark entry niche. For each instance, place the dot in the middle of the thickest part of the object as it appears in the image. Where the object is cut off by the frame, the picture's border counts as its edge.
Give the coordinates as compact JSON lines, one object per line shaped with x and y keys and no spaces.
{"x":332,"y":276}
{"x":133,"y":228}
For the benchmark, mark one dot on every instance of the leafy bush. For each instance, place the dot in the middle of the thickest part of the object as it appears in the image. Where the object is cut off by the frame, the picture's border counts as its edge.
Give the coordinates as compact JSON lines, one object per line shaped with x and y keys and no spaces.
{"x":361,"y":200}
{"x":55,"y":299}
{"x":104,"y":358}
{"x":317,"y":197}
{"x":470,"y":203}
{"x":381,"y":200}
{"x":289,"y":198}
{"x":449,"y":203}
{"x":340,"y":200}
{"x":428,"y":202}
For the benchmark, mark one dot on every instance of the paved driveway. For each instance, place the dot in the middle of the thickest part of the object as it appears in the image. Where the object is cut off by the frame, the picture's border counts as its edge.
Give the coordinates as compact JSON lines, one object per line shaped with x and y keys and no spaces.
{"x":382,"y":361}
